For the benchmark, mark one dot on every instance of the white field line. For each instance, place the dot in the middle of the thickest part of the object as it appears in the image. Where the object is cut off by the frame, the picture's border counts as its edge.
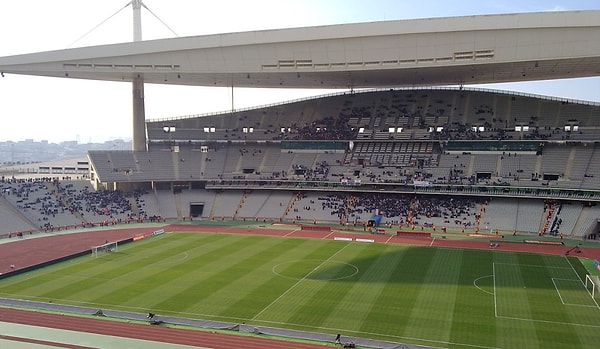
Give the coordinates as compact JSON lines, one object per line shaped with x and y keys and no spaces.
{"x":582,"y":283}
{"x":328,"y":235}
{"x":495,"y":294}
{"x":415,"y":339}
{"x":479,"y":288}
{"x":297,"y":283}
{"x":532,"y":265}
{"x":291,"y":232}
{"x":557,"y":291}
{"x":536,"y":320}
{"x":548,"y":322}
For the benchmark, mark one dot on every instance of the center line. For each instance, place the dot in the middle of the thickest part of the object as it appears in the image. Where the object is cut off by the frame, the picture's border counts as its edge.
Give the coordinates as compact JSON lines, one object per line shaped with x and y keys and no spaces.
{"x":297,"y":283}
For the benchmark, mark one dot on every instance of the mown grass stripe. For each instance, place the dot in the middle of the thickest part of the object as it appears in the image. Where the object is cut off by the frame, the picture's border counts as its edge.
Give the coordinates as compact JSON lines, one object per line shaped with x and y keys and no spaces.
{"x":315,"y":307}
{"x":132,"y":278}
{"x":434,"y":303}
{"x":473,"y":309}
{"x":366,"y":297}
{"x":108,"y":268}
{"x":233,"y":275}
{"x":512,"y":301}
{"x":295,"y":300}
{"x":201,"y":275}
{"x":260,"y":293}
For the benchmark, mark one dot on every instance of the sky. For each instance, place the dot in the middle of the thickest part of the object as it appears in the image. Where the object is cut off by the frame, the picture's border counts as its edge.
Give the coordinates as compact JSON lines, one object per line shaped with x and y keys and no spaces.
{"x":58,"y":109}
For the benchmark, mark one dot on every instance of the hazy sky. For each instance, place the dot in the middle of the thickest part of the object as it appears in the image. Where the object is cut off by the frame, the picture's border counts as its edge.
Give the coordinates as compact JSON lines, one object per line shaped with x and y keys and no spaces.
{"x":57,"y":109}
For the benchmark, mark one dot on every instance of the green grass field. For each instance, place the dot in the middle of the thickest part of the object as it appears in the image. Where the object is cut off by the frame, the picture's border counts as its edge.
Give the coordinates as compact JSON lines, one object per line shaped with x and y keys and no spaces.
{"x":422,"y":295}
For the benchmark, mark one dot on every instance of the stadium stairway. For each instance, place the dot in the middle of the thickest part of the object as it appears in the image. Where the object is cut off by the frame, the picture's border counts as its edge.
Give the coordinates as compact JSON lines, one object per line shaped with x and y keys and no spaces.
{"x":21,"y":223}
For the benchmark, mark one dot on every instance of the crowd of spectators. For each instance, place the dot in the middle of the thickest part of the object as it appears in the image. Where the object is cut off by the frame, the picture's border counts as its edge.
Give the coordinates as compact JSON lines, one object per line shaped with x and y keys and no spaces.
{"x":320,"y":172}
{"x":329,"y":128}
{"x":35,"y":196}
{"x":60,"y":203}
{"x":246,"y":151}
{"x":401,"y":209}
{"x":338,"y":128}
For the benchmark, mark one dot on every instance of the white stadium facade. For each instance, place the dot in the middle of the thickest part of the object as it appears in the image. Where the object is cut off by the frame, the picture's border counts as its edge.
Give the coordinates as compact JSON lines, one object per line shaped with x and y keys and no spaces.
{"x":406,"y":135}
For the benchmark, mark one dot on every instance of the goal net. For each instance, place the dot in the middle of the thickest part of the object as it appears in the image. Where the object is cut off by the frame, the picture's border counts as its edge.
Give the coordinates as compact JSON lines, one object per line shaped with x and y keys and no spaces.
{"x":592,"y":284}
{"x":105,"y":248}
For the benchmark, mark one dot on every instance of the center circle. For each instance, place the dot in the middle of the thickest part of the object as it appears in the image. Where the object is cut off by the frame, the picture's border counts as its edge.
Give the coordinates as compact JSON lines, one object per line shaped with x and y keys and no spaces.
{"x":315,"y":269}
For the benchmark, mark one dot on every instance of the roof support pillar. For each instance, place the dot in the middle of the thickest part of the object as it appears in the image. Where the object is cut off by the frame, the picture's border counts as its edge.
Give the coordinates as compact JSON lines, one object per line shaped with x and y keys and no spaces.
{"x":139,"y":111}
{"x":139,"y":115}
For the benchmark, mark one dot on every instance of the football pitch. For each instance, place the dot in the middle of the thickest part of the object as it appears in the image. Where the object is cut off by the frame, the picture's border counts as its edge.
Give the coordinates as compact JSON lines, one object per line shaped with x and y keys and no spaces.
{"x":440,"y":297}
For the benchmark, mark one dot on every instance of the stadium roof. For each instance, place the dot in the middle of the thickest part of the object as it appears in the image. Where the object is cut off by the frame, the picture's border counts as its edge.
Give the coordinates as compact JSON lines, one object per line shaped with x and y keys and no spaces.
{"x":437,"y":51}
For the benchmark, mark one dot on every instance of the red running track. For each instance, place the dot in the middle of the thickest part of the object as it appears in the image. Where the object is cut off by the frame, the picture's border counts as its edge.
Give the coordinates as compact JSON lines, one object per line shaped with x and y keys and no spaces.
{"x":163,"y":334}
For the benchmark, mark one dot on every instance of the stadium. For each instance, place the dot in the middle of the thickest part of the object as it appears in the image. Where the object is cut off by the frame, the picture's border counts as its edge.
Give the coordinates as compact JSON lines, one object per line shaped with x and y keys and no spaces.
{"x":377,"y":213}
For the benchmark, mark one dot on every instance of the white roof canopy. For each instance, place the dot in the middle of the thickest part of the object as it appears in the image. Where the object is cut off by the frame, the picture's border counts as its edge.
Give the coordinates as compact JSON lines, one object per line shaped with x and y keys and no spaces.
{"x":438,"y":51}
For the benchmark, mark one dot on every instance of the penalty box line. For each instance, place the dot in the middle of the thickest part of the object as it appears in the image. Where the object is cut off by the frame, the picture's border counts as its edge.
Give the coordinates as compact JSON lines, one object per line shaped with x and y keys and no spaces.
{"x":578,"y":279}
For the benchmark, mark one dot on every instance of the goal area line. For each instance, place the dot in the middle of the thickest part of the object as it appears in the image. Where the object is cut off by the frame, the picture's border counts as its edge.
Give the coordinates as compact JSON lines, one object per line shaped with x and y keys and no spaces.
{"x":567,"y":286}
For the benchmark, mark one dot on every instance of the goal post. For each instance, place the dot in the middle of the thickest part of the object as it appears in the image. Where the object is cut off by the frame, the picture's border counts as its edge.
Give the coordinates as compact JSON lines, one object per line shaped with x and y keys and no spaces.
{"x":105,"y":248}
{"x":592,"y":284}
